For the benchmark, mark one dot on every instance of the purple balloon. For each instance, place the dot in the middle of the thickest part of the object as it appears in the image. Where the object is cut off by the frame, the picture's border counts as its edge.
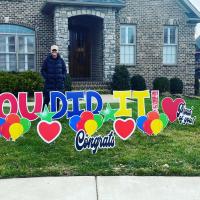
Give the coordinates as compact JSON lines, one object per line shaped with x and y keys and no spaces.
{"x":140,"y":122}
{"x":2,"y":121}
{"x":73,"y":122}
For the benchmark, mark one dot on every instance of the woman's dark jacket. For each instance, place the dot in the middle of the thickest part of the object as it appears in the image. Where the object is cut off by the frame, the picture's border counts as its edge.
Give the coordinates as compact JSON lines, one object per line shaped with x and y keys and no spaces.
{"x":54,"y":74}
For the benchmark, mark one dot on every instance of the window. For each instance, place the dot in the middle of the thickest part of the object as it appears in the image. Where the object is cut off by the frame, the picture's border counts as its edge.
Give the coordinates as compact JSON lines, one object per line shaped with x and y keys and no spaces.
{"x":170,"y":45}
{"x":17,"y":48}
{"x":127,"y":44}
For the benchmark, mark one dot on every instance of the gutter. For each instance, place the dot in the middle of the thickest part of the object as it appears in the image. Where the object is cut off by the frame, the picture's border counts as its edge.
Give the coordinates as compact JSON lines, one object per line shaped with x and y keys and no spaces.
{"x":193,"y":20}
{"x":50,"y":4}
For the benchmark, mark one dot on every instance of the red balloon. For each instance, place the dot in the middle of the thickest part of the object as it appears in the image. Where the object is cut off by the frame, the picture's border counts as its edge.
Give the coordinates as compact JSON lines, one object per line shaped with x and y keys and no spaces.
{"x":5,"y":131}
{"x":80,"y":125}
{"x":147,"y":127}
{"x":12,"y":118}
{"x":87,"y":115}
{"x":153,"y":115}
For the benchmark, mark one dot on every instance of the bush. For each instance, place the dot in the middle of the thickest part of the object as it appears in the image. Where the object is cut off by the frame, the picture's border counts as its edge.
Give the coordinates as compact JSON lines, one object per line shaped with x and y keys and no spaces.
{"x":196,"y":86}
{"x":138,"y":83}
{"x":162,"y":84}
{"x":15,"y":82}
{"x":176,"y":86}
{"x":68,"y":83}
{"x":29,"y":81}
{"x":121,"y":79}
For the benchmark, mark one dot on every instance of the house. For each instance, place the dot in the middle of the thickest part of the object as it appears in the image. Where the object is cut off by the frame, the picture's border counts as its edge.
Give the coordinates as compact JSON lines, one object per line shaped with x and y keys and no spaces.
{"x":152,"y":38}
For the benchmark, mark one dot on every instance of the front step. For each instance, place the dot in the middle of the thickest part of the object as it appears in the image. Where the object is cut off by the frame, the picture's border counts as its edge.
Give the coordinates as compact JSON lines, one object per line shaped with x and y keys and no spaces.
{"x":101,"y":87}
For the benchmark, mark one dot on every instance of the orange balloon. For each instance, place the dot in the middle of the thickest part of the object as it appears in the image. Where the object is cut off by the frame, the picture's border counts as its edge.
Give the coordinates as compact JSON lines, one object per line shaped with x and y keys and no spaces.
{"x":153,"y":115}
{"x":12,"y":118}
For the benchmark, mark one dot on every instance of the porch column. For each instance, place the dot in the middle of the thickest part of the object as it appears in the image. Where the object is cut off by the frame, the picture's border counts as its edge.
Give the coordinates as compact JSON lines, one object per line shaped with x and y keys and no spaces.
{"x":109,"y":44}
{"x":61,"y":34}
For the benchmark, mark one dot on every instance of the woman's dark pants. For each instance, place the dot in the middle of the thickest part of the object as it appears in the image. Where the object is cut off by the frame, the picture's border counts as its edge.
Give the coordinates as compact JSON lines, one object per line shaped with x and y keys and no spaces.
{"x":47,"y":100}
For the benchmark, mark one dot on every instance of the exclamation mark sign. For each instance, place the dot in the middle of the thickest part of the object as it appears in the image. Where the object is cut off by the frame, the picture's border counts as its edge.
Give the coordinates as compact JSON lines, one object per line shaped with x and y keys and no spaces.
{"x":155,"y":100}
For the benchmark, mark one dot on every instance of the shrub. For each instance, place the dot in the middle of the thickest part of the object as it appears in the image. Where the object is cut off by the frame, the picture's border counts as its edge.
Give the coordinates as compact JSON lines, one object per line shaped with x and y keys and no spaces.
{"x":162,"y":84}
{"x":138,"y":83}
{"x":176,"y":86}
{"x":68,"y":83}
{"x":20,"y":82}
{"x":196,"y":86}
{"x":120,"y":79}
{"x":29,"y":81}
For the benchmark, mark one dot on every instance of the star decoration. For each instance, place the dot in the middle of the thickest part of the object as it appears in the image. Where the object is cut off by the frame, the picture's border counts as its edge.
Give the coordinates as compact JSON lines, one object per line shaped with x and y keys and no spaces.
{"x":46,"y":115}
{"x":108,"y":113}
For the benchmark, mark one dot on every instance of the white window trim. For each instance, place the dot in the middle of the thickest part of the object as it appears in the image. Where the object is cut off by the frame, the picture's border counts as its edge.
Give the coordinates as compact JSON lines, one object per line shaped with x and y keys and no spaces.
{"x":168,"y":43}
{"x":128,"y":44}
{"x":17,"y":53}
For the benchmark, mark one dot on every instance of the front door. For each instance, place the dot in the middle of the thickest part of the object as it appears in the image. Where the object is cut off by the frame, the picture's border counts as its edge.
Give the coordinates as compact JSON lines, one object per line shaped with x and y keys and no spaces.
{"x":79,"y":53}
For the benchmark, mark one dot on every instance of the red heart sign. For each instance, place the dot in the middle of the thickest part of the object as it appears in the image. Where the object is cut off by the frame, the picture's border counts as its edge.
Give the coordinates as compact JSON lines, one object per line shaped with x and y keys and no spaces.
{"x":124,"y":128}
{"x":49,"y":131}
{"x":170,"y":107}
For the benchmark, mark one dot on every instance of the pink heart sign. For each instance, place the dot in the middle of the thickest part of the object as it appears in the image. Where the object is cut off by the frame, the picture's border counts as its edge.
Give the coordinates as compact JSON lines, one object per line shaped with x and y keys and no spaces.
{"x":170,"y":107}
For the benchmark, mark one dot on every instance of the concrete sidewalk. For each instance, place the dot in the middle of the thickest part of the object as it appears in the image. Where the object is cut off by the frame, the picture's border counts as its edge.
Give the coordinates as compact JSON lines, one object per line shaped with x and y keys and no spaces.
{"x":101,"y":188}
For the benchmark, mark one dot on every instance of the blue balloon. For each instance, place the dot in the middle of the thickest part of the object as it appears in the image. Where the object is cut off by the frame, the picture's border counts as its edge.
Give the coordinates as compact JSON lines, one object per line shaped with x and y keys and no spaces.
{"x":2,"y":121}
{"x":73,"y":122}
{"x":140,"y":121}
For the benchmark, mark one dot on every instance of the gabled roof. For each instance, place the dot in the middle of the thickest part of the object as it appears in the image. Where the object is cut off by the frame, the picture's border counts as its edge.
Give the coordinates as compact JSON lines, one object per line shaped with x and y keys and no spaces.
{"x":50,"y":4}
{"x":191,"y":11}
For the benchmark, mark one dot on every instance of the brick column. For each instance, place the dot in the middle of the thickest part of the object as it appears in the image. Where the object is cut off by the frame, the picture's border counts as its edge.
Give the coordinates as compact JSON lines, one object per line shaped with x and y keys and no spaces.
{"x":109,"y":44}
{"x":61,"y":34}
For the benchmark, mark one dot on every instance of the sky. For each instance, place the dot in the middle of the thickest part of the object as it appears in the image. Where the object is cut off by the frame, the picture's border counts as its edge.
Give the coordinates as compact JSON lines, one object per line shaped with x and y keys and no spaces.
{"x":196,"y":3}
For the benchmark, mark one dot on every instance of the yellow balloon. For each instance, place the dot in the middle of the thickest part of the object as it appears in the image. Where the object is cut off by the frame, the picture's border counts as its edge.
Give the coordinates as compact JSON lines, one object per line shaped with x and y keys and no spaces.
{"x":156,"y":126}
{"x":16,"y":130}
{"x":90,"y":127}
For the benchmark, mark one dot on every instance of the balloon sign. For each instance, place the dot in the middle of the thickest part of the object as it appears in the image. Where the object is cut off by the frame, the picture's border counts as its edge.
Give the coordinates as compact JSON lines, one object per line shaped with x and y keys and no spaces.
{"x":14,"y":127}
{"x":87,"y":121}
{"x":153,"y":123}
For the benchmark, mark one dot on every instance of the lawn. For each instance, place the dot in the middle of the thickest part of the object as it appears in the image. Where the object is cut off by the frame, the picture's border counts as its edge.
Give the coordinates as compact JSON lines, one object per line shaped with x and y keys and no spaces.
{"x":176,"y":151}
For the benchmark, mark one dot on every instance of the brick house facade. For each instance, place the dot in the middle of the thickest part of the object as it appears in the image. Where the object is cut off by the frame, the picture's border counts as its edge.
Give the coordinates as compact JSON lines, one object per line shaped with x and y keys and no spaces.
{"x":152,"y":38}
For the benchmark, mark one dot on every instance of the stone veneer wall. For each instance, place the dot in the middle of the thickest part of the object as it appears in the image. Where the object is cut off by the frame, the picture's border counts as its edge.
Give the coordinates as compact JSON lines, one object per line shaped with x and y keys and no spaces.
{"x":150,"y":18}
{"x":28,"y":13}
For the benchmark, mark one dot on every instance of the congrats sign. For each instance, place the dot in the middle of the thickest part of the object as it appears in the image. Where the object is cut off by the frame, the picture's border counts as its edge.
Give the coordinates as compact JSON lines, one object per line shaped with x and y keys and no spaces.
{"x":87,"y":123}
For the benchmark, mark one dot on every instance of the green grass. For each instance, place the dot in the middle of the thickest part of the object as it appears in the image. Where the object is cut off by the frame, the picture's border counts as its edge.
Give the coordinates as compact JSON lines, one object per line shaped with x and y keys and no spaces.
{"x":176,"y":151}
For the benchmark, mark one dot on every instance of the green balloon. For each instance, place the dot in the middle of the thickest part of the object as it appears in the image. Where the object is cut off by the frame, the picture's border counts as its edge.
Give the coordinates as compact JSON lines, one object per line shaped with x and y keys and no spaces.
{"x":164,"y":119}
{"x":99,"y":120}
{"x":26,"y":124}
